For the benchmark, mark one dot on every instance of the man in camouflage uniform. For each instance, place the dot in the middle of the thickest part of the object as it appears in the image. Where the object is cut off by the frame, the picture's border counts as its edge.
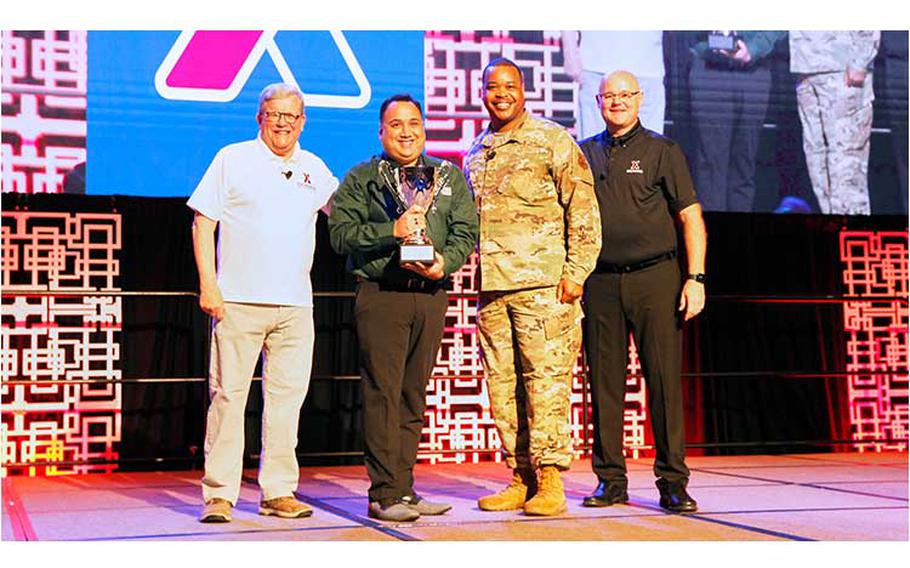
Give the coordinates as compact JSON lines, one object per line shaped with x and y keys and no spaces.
{"x":834,"y":94}
{"x":539,"y":240}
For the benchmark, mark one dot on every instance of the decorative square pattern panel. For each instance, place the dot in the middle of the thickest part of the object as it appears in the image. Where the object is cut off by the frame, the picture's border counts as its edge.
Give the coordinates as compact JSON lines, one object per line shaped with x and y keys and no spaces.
{"x":875,"y":267}
{"x":68,"y":345}
{"x":44,"y":109}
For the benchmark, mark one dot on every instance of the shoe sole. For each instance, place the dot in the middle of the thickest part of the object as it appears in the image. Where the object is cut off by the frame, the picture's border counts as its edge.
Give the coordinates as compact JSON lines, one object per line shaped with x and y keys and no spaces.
{"x":284,"y":515}
{"x":488,"y":508}
{"x":216,"y":518}
{"x":562,"y":509}
{"x":403,"y":520}
{"x":431,"y":513}
{"x":599,"y":503}
{"x":683,"y":511}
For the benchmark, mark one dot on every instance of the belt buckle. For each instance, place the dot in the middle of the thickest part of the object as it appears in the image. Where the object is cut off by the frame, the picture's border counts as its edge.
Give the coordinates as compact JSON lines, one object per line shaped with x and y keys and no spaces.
{"x":413,"y":284}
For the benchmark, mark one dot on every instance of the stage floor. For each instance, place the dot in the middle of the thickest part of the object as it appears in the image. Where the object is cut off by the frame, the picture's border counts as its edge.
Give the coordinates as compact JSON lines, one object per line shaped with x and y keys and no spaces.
{"x":844,"y":496}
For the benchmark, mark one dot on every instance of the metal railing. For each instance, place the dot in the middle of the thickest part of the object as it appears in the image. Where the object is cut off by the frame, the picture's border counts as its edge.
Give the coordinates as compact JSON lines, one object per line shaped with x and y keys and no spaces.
{"x":584,"y":447}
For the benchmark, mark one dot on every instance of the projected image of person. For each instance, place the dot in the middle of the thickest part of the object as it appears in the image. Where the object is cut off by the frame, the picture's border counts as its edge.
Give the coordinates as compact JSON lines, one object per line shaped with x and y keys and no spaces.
{"x":834,"y":94}
{"x":729,"y":82}
{"x":539,"y":238}
{"x":588,"y":55}
{"x":643,"y":186}
{"x":400,"y":307}
{"x":894,"y":48}
{"x":264,"y":196}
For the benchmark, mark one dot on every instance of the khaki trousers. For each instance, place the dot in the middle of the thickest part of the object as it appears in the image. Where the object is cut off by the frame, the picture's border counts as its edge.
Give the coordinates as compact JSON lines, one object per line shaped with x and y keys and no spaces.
{"x":283,"y":335}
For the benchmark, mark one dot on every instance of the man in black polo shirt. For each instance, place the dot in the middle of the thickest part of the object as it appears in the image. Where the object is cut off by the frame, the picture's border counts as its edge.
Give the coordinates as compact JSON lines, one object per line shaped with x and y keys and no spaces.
{"x":642,"y":183}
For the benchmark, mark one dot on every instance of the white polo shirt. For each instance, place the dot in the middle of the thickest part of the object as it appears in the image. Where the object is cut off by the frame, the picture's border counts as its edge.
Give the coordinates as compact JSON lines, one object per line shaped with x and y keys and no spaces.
{"x":266,"y":209}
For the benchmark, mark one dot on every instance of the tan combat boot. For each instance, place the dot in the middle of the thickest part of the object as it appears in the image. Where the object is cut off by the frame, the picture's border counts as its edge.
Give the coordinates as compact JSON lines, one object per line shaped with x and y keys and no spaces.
{"x":522,"y":486}
{"x":550,"y":499}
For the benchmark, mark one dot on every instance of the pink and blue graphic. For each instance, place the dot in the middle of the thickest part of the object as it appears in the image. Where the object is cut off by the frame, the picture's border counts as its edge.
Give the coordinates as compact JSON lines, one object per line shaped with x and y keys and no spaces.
{"x":214,"y":66}
{"x":161,"y":104}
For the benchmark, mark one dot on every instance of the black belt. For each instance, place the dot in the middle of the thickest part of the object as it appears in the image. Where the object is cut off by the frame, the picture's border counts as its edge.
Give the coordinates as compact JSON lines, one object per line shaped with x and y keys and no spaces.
{"x":407,"y":285}
{"x":634,"y":266}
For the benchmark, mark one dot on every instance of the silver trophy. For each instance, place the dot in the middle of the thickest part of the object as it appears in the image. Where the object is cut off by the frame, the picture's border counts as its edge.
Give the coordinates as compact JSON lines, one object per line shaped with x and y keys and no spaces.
{"x":420,"y":186}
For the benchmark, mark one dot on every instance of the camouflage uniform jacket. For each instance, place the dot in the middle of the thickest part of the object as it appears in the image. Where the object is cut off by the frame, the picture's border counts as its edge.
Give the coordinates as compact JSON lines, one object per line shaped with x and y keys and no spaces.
{"x":364,"y":213}
{"x":539,"y":220}
{"x":827,"y":52}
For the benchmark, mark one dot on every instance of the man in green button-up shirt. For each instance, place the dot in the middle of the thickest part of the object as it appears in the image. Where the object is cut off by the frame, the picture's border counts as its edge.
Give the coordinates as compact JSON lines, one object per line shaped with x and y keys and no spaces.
{"x":400,"y":307}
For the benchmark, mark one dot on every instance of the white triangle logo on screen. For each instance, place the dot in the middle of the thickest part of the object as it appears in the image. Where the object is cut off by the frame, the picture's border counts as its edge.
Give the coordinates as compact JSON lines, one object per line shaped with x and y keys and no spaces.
{"x":213,"y":66}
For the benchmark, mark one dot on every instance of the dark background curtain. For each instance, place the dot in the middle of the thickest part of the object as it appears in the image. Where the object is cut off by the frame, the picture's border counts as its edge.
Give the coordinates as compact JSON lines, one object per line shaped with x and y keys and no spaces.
{"x":735,"y":349}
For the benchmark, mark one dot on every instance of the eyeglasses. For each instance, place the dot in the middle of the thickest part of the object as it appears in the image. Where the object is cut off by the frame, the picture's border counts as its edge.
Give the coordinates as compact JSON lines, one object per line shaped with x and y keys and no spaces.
{"x":623,"y":97}
{"x":273,"y":116}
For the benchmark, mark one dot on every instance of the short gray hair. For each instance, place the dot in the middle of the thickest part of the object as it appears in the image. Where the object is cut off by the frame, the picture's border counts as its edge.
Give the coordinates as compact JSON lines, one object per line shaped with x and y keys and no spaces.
{"x":279,"y":91}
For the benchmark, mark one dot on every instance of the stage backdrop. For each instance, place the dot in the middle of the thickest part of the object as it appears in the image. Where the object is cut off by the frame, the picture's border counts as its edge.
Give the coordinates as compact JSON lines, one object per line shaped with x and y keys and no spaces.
{"x":142,"y":113}
{"x":147,"y":110}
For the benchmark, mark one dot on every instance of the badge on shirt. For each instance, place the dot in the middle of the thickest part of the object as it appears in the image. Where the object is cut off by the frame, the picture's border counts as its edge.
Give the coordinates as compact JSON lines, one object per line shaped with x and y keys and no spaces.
{"x":635,"y":168}
{"x":303,"y":181}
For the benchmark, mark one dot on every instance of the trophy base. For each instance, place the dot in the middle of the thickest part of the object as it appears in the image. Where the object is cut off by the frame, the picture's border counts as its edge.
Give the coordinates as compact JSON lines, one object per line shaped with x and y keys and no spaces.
{"x":417,"y":253}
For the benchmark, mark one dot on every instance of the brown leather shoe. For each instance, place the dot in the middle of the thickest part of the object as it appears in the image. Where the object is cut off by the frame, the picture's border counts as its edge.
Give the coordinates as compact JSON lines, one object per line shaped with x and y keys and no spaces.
{"x":514,"y":496}
{"x":216,"y":510}
{"x":550,"y":499}
{"x":285,"y":507}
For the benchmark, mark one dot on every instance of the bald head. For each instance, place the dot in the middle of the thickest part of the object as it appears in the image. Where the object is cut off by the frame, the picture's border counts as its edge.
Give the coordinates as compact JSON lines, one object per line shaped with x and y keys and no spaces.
{"x":619,"y":98}
{"x":619,"y":81}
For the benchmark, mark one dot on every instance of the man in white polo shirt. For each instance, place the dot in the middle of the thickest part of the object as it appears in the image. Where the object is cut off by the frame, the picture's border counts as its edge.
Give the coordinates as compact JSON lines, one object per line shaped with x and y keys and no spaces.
{"x":265,"y":194}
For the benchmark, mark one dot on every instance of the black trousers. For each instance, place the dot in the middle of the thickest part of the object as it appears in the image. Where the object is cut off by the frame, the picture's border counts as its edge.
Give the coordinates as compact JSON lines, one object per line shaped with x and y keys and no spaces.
{"x":728,"y":109}
{"x":646,"y":302}
{"x":399,"y":335}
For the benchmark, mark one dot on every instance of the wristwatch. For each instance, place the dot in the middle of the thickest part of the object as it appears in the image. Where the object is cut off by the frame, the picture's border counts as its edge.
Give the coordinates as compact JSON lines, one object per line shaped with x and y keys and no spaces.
{"x":700,"y":277}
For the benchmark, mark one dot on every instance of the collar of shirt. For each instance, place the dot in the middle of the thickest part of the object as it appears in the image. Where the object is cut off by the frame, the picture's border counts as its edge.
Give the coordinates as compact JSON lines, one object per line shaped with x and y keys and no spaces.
{"x":492,"y":139}
{"x":421,"y":160}
{"x":272,"y":156}
{"x":623,"y":141}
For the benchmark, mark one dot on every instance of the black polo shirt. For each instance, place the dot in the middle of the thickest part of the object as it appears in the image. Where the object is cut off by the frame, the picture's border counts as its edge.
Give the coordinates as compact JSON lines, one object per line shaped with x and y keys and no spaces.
{"x":642,"y":182}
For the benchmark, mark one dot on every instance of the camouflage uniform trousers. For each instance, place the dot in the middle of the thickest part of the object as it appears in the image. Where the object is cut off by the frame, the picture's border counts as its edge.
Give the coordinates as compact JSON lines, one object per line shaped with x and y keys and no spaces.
{"x":837,"y":123}
{"x":530,"y":342}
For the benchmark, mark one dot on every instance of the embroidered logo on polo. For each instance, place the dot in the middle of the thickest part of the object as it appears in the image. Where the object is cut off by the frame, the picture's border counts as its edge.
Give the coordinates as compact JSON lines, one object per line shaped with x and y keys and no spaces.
{"x":304,"y":181}
{"x":635,"y":168}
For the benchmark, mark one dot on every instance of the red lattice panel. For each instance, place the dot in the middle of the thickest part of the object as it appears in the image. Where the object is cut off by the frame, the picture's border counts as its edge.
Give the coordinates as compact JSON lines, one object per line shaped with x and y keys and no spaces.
{"x":458,"y":411}
{"x":876,"y":268}
{"x":44,"y":108}
{"x":58,"y":340}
